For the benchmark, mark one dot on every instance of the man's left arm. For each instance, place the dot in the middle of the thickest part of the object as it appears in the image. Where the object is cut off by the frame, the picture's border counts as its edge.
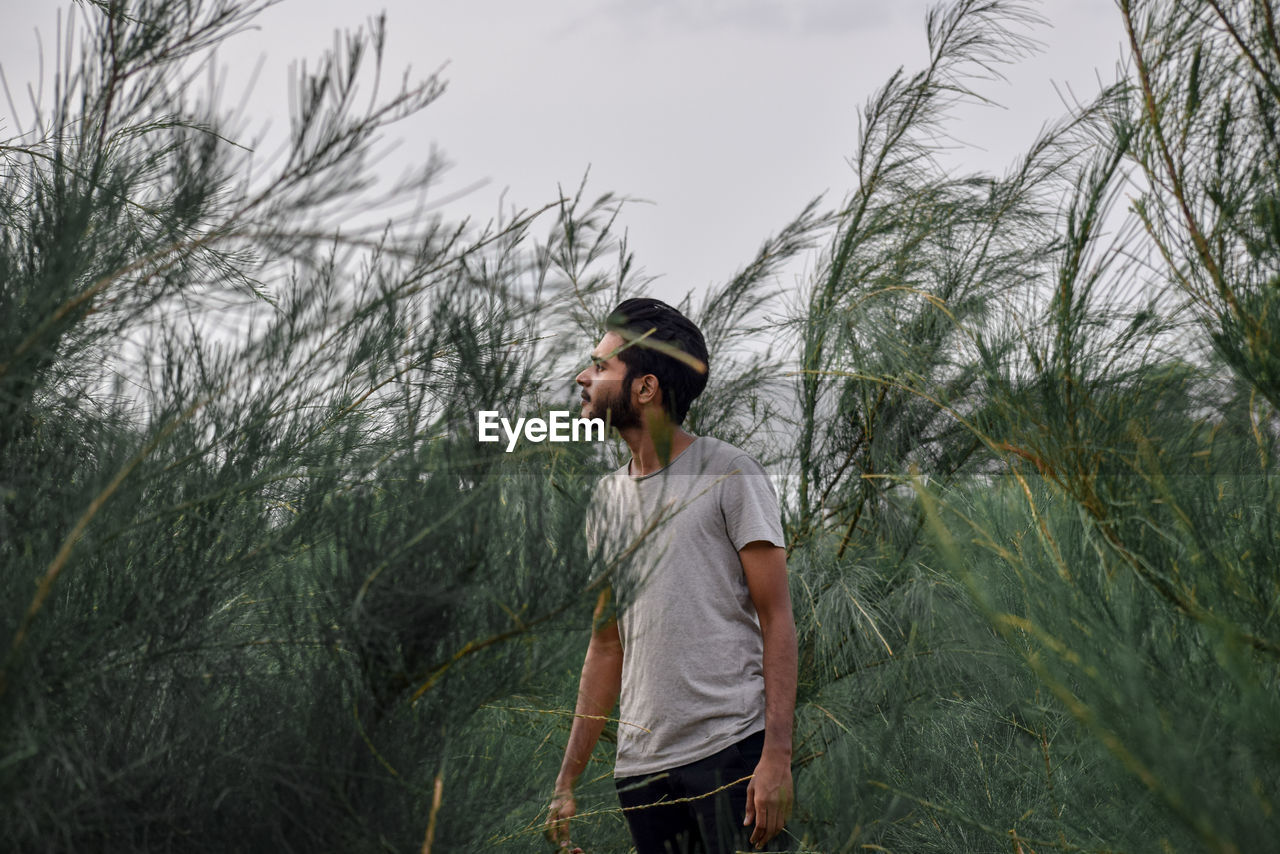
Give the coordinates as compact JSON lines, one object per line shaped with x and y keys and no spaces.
{"x":770,"y":794}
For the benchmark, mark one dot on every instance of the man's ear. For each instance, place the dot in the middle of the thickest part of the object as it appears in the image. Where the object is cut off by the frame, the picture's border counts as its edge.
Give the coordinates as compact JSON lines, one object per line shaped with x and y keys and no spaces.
{"x":648,"y":388}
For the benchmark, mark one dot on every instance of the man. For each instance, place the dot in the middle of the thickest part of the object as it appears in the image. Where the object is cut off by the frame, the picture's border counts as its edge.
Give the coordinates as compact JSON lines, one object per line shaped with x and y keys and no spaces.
{"x":695,"y":632}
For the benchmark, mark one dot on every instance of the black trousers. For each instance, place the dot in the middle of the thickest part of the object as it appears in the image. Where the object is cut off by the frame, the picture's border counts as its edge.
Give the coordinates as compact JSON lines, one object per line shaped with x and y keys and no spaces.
{"x":670,"y":812}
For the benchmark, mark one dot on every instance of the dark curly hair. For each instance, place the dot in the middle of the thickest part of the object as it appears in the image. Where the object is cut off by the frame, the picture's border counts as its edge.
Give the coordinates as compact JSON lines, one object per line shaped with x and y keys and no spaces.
{"x":681,"y":379}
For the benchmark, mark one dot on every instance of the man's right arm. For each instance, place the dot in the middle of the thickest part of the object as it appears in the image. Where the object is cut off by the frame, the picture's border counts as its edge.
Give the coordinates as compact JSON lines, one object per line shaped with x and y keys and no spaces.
{"x":597,"y":692}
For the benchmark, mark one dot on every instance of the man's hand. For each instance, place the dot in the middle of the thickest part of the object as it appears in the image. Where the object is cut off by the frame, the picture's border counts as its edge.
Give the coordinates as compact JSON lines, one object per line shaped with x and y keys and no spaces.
{"x":563,"y":807}
{"x":770,"y":795}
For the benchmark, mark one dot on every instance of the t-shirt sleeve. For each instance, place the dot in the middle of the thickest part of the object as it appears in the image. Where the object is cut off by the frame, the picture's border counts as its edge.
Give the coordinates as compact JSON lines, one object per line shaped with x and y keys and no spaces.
{"x":590,"y":531}
{"x":750,"y":504}
{"x":593,"y":522}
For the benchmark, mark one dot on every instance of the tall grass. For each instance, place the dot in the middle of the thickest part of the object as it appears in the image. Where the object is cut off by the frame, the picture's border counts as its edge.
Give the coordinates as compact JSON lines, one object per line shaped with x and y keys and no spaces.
{"x":1086,"y":612}
{"x":264,"y":591}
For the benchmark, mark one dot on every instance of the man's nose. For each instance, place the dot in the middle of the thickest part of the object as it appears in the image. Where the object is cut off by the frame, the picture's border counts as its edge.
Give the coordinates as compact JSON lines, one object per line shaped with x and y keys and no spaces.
{"x":581,"y":379}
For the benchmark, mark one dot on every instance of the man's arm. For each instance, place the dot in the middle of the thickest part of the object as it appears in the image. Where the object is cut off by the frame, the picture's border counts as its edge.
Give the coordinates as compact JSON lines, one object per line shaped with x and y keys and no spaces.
{"x":770,"y":793}
{"x":597,"y":692}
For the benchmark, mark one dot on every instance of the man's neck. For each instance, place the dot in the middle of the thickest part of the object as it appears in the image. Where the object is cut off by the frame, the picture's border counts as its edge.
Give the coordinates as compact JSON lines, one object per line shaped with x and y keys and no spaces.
{"x":655,"y":444}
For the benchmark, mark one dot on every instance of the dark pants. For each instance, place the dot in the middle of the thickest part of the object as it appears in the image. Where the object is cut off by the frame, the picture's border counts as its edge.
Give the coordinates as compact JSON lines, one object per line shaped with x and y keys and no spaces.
{"x":668,"y":813}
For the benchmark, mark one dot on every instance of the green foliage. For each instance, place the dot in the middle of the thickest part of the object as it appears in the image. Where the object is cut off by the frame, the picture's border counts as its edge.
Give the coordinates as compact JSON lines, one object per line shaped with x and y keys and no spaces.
{"x":1099,"y":654}
{"x":264,"y":591}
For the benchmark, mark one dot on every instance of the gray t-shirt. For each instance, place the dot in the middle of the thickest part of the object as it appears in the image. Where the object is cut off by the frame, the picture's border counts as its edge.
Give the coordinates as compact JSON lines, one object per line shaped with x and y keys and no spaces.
{"x":692,"y":661}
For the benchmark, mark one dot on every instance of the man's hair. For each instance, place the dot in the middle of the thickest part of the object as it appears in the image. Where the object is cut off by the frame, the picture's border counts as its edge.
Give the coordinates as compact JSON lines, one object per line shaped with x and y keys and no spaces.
{"x":681,"y":382}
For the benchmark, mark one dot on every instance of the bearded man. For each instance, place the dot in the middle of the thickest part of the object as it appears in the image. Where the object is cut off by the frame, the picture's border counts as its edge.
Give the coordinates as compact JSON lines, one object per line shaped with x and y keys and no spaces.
{"x":694,"y":631}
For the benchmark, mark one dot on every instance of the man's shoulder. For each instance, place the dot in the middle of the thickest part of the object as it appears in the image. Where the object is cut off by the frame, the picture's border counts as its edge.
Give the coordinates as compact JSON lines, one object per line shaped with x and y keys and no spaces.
{"x":610,"y":487}
{"x":721,"y":457}
{"x":707,"y":456}
{"x":621,"y":472}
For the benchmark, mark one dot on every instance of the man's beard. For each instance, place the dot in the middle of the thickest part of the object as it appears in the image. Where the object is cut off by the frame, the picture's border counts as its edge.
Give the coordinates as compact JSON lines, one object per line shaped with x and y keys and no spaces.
{"x":619,"y":412}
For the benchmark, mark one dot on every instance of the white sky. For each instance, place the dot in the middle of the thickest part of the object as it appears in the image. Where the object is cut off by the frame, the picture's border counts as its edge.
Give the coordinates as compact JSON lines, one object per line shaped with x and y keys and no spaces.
{"x":725,"y":115}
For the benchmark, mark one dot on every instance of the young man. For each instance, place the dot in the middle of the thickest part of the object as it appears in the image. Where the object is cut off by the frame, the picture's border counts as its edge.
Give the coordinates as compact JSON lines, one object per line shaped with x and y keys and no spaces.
{"x":695,"y":632}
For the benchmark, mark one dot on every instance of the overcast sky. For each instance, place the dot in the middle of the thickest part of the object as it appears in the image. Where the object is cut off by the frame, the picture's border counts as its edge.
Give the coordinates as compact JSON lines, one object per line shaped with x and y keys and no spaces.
{"x":725,"y":115}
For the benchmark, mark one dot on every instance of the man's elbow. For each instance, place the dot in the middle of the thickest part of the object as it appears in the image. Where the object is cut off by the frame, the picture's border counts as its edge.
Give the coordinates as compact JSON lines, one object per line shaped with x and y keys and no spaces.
{"x":606,"y":643}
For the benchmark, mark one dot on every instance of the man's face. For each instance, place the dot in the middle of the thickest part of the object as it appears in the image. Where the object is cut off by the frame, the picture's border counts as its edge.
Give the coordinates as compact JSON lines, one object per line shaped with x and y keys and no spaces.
{"x":602,"y":393}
